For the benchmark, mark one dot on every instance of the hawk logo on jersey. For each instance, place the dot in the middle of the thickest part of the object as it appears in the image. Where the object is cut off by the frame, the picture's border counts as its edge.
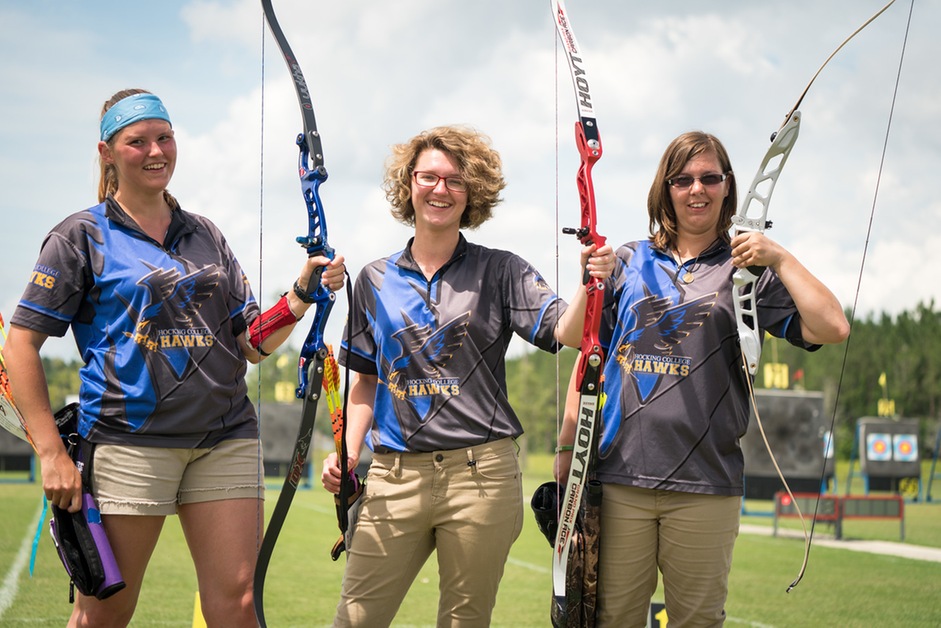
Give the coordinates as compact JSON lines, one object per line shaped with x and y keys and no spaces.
{"x":660,"y":326}
{"x":418,"y":371}
{"x":174,"y":300}
{"x":541,"y":283}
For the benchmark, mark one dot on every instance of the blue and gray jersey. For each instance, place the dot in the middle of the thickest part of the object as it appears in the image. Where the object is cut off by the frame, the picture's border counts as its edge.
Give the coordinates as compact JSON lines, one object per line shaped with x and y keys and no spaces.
{"x":155,"y":324}
{"x":676,"y":394}
{"x":438,"y":345}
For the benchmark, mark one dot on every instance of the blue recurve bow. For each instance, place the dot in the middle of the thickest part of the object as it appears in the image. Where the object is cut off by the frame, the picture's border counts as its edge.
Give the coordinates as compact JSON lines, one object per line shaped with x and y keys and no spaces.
{"x":314,"y":352}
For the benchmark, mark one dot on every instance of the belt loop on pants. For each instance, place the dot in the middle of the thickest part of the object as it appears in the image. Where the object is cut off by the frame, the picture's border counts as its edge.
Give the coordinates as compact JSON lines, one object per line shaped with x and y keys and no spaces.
{"x":397,"y":465}
{"x":471,"y":461}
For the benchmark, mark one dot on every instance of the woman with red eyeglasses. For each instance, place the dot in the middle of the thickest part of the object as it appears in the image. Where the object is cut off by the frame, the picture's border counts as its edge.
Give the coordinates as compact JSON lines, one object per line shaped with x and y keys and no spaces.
{"x":426,"y":340}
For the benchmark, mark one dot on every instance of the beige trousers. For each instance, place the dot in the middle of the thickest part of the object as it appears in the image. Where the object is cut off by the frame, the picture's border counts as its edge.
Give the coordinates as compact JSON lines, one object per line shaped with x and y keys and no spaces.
{"x":464,"y":504}
{"x":688,"y":537}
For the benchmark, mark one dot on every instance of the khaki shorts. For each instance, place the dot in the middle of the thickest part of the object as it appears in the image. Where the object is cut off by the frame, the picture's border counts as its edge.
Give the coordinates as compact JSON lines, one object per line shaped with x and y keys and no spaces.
{"x":156,"y":480}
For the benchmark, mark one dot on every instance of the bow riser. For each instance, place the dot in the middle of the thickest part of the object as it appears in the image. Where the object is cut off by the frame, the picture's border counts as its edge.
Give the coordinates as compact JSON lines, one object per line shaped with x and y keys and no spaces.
{"x":749,"y":220}
{"x":762,"y":186}
{"x":311,"y":178}
{"x":590,"y":150}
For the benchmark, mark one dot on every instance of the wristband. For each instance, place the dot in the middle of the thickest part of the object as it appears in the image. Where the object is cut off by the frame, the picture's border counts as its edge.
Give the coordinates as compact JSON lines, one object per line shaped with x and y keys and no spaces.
{"x":303,"y":296}
{"x":562,"y":448}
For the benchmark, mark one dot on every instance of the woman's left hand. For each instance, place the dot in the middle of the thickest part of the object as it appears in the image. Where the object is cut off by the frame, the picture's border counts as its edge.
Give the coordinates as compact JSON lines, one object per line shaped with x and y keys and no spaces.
{"x":598,"y":260}
{"x":752,"y":248}
{"x":333,"y":275}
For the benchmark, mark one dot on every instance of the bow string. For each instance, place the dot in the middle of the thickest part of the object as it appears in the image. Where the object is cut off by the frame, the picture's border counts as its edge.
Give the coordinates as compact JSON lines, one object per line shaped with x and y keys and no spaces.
{"x":314,"y":352}
{"x":591,"y":359}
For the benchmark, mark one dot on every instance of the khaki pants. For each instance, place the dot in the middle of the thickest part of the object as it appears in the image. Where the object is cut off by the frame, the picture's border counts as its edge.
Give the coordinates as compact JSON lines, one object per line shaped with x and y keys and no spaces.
{"x":688,"y":537}
{"x":466,"y":504}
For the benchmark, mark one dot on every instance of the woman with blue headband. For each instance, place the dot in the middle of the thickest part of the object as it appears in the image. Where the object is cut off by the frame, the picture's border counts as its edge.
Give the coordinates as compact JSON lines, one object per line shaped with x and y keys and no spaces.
{"x":165,"y":323}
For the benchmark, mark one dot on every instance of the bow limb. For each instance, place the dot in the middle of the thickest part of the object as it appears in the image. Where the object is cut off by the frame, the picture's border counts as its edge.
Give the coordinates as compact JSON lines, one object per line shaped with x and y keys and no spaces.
{"x":10,"y":418}
{"x":351,"y":488}
{"x":744,"y":280}
{"x":314,"y":352}
{"x":591,"y":360}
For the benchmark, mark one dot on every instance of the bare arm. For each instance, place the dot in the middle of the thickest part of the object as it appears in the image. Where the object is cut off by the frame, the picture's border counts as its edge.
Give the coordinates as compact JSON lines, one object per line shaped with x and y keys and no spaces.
{"x":563,"y":458}
{"x":821,"y":316}
{"x":61,"y":480}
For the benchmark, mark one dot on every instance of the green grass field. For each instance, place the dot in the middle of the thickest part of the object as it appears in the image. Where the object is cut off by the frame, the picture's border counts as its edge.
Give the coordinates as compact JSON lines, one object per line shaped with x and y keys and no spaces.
{"x":841,"y":588}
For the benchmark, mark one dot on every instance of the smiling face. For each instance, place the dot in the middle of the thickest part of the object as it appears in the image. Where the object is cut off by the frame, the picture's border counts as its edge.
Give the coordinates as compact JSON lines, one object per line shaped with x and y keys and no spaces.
{"x":698,"y":207}
{"x":144,"y":156}
{"x":437,"y":209}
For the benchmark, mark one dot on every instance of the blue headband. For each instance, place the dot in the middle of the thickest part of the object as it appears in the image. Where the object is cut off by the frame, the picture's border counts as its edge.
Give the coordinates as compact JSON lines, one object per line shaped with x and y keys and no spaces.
{"x":129,"y":110}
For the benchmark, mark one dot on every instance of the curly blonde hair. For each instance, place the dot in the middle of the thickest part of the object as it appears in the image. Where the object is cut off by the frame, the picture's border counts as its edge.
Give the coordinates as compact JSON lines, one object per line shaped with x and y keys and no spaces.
{"x":479,"y":163}
{"x":660,"y":210}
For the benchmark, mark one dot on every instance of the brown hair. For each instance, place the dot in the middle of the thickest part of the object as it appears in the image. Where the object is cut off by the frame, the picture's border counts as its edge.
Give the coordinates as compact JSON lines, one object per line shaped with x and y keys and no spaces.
{"x":660,"y":208}
{"x":108,"y":180}
{"x":480,"y":165}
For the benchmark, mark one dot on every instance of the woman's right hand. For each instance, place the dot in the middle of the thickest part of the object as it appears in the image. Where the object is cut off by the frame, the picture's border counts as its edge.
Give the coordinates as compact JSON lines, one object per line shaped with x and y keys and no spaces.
{"x":331,"y":474}
{"x":561,"y":466}
{"x":61,"y":481}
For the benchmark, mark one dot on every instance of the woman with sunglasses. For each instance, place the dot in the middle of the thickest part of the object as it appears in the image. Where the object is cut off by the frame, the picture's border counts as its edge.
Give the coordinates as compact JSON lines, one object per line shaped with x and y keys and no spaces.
{"x":676,"y":390}
{"x":428,"y":333}
{"x":165,"y":322}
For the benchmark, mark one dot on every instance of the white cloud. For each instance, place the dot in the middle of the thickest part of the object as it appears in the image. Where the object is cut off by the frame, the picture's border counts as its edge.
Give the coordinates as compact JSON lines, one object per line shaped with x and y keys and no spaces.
{"x":380,"y":75}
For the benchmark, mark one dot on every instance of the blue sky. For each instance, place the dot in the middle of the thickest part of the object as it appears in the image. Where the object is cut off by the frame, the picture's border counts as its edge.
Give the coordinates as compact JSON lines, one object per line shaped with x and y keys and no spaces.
{"x":379,"y":72}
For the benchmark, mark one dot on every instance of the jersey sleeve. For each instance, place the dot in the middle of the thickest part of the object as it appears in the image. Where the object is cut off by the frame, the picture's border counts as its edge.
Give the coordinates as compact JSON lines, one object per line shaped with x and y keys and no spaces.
{"x":54,"y":294}
{"x":533,"y":308}
{"x":358,"y":348}
{"x":777,"y":313}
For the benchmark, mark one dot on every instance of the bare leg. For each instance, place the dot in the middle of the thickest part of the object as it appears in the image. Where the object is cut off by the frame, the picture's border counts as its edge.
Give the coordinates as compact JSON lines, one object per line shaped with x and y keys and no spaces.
{"x":133,"y":539}
{"x":223,"y":537}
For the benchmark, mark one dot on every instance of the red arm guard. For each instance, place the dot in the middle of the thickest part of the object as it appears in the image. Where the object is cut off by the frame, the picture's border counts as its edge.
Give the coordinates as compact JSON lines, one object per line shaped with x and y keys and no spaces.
{"x":279,"y":315}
